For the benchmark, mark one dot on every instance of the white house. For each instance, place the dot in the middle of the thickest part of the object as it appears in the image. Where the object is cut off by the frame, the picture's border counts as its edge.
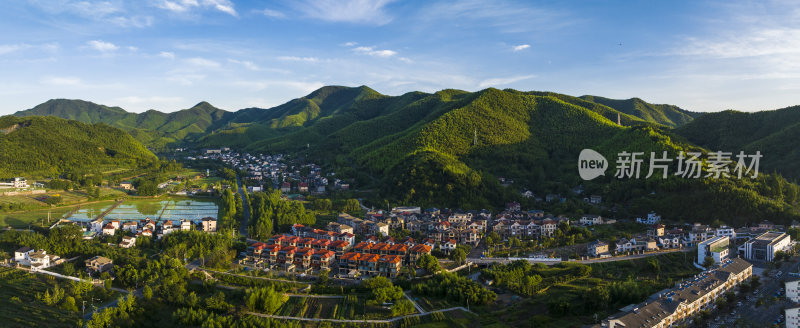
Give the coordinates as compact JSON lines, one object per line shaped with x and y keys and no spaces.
{"x":448,"y":246}
{"x":186,"y":225}
{"x":130,"y":226}
{"x":39,"y":260}
{"x":21,"y":255}
{"x":725,"y":231}
{"x":652,"y":218}
{"x":590,"y":219}
{"x":109,"y":229}
{"x":127,"y":242}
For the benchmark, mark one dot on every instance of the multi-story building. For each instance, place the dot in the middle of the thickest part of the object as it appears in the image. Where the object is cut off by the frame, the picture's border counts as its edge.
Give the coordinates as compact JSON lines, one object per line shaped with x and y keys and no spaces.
{"x":763,"y":247}
{"x":716,"y":247}
{"x":793,"y":317}
{"x":793,"y":291}
{"x":690,"y":296}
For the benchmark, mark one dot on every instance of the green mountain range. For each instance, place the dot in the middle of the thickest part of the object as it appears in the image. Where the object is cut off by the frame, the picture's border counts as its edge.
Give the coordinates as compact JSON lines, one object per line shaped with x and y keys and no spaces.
{"x":450,"y":148}
{"x":153,"y":128}
{"x":776,"y":134}
{"x":48,"y":146}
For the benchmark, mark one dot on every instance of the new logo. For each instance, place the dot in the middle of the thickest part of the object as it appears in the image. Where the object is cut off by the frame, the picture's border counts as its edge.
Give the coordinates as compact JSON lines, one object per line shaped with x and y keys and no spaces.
{"x":591,"y":164}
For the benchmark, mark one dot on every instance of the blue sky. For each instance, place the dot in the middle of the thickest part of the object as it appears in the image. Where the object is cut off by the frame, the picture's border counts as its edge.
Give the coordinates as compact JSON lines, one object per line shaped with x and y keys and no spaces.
{"x":171,"y":54}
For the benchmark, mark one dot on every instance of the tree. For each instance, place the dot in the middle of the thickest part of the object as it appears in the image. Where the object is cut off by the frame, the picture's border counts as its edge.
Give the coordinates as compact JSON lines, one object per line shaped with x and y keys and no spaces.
{"x":402,"y":307}
{"x":429,"y":263}
{"x":597,"y":298}
{"x":458,"y":255}
{"x":147,"y":293}
{"x":69,"y":304}
{"x":381,"y":290}
{"x":708,"y":262}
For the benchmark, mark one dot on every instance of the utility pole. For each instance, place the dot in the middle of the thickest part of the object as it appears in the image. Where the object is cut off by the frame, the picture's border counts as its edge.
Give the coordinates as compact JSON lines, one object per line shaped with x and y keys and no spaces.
{"x":475,"y":138}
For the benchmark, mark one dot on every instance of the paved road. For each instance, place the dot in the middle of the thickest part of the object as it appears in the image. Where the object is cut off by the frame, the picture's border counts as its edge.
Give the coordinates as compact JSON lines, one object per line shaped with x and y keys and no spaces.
{"x":419,"y":308}
{"x":245,"y":207}
{"x":486,"y":260}
{"x":354,"y":321}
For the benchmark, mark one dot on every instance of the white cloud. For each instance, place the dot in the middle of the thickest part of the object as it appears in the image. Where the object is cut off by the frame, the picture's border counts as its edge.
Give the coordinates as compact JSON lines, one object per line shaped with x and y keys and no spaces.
{"x":374,"y":52}
{"x":247,"y":64}
{"x":183,"y":78}
{"x":349,"y":11}
{"x":167,"y":54}
{"x":184,"y":6}
{"x":521,"y":47}
{"x":102,"y":46}
{"x":271,"y":13}
{"x":132,"y":48}
{"x":9,"y":48}
{"x":103,"y":11}
{"x":202,"y":62}
{"x":350,"y":44}
{"x":503,"y":15}
{"x":296,"y":58}
{"x":504,"y":80}
{"x":61,"y":81}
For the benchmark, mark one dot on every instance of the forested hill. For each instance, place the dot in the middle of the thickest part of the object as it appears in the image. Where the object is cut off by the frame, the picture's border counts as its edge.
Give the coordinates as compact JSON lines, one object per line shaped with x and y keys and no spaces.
{"x":775,"y":133}
{"x":46,"y":146}
{"x":668,"y":115}
{"x":153,"y":128}
{"x":449,"y":149}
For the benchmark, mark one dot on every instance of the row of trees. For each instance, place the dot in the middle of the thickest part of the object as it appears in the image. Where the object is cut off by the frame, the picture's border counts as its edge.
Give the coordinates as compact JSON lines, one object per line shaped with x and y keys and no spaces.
{"x":269,"y":209}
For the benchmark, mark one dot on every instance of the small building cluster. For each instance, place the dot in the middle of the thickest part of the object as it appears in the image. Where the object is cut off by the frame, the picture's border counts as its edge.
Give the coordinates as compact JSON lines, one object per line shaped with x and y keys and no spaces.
{"x":36,"y":260}
{"x":146,"y":227}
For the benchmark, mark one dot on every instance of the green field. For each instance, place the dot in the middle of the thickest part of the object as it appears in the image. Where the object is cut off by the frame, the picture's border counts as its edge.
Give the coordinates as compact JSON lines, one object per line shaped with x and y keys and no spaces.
{"x":35,"y":217}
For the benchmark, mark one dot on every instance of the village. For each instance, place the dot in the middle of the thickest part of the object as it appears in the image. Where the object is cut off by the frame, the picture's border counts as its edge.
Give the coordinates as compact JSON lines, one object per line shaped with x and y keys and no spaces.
{"x":369,"y":243}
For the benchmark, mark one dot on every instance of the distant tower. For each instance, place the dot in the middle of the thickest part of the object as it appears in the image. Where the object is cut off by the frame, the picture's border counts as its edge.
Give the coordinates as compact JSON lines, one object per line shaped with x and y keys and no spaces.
{"x":475,"y":138}
{"x":619,"y":122}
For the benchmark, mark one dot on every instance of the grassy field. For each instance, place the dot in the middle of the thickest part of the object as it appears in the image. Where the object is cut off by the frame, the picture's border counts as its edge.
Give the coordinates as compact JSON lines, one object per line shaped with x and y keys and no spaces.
{"x":22,"y":219}
{"x":352,"y":307}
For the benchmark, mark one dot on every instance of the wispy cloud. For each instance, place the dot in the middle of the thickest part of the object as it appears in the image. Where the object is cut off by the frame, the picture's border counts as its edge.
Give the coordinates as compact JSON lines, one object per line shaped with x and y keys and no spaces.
{"x":202,"y":62}
{"x":102,"y":46}
{"x":375,"y":52}
{"x":520,"y":47}
{"x":167,"y":54}
{"x":184,"y":6}
{"x":348,"y":11}
{"x":113,"y":12}
{"x":503,"y":15}
{"x":296,"y":58}
{"x":349,"y":44}
{"x":271,"y":13}
{"x":259,"y":85}
{"x":501,"y":81}
{"x":246,"y":64}
{"x":61,"y":81}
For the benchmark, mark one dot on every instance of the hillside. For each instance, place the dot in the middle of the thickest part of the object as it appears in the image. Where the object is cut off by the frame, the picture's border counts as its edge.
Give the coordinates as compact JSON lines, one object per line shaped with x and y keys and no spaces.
{"x":153,"y":128}
{"x":669,"y":115}
{"x":48,"y":146}
{"x":775,"y":133}
{"x":449,"y":148}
